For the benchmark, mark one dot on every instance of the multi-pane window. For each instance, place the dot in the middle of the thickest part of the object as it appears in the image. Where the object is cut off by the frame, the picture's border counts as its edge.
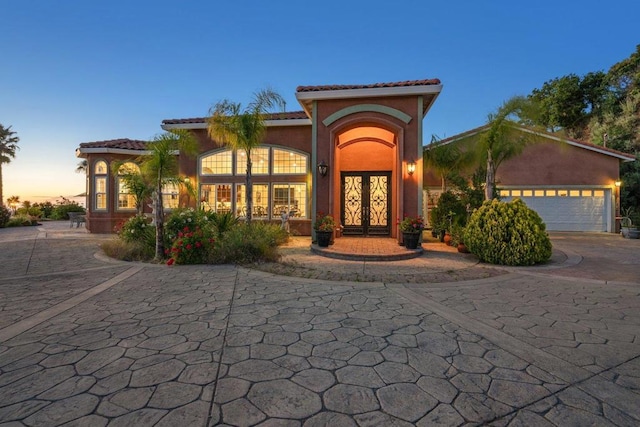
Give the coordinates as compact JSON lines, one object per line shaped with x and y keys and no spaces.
{"x":288,"y":162}
{"x":219,"y":163}
{"x":216,"y":197}
{"x":290,"y":199}
{"x":170,"y":196}
{"x":100,"y":173}
{"x":126,"y":200}
{"x":259,"y":161}
{"x":260,"y":200}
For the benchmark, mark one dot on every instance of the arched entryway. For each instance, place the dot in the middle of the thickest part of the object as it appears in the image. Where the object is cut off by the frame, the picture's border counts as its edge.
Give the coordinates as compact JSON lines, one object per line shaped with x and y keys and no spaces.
{"x":366,"y":163}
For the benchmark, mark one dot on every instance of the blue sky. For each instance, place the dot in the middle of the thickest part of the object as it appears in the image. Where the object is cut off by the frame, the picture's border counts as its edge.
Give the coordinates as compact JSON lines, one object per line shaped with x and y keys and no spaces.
{"x":78,"y":71}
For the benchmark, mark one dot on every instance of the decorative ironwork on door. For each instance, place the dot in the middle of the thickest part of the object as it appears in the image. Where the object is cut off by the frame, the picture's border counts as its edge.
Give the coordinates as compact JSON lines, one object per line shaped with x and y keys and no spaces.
{"x":366,"y":203}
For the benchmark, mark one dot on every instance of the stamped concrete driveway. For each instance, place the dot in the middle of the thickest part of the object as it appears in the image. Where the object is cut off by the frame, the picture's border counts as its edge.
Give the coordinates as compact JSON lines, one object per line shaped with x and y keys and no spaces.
{"x":86,"y":341}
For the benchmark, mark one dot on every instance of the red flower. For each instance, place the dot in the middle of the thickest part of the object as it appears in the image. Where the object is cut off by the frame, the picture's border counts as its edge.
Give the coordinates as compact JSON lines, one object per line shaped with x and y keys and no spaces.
{"x":198,"y":244}
{"x":189,"y":246}
{"x":170,"y":261}
{"x":186,"y":228}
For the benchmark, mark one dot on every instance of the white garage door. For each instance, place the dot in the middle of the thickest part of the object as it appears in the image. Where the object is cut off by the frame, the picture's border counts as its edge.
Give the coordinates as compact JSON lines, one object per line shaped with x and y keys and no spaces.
{"x":567,"y":209}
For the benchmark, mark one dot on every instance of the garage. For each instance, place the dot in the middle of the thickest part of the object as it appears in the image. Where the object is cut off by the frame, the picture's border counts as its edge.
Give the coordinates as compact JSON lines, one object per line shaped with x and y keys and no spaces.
{"x":567,"y":209}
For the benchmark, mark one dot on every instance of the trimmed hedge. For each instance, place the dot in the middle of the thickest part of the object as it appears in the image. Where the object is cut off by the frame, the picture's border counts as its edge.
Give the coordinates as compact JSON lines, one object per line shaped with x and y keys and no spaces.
{"x":507,"y":233}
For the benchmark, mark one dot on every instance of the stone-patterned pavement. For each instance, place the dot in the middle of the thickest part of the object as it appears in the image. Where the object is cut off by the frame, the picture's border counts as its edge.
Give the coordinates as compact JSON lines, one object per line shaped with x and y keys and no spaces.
{"x":92,"y":343}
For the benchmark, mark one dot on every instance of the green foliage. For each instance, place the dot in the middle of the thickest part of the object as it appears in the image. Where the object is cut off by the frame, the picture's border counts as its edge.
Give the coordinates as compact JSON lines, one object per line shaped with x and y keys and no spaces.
{"x":46,"y":208}
{"x":324,"y":222}
{"x":33,"y":211}
{"x":192,"y":246}
{"x":411,"y":224}
{"x":181,"y":218}
{"x":63,"y":207}
{"x":507,"y":233}
{"x":138,"y":229}
{"x":22,"y":221}
{"x":248,"y":243}
{"x":221,"y":222}
{"x":5,"y":214}
{"x":450,"y":210}
{"x":128,"y":251}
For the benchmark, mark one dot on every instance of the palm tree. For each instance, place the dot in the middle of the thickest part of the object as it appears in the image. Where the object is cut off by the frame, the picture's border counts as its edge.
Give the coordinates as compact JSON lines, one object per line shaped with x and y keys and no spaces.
{"x":446,"y":159}
{"x":137,"y":184}
{"x":13,"y":201}
{"x":502,"y":140}
{"x":8,"y":147}
{"x":82,"y":166}
{"x":161,"y":165}
{"x":243,"y":129}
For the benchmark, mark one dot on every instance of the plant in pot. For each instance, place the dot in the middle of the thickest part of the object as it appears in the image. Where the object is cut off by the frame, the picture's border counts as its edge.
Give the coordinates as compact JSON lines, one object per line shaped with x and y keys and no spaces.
{"x":627,"y":229}
{"x":457,"y":240}
{"x":324,"y":227}
{"x":411,"y":228}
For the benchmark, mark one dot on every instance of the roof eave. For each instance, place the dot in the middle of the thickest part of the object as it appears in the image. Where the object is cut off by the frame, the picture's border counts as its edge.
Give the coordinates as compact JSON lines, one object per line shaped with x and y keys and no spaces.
{"x":306,"y":98}
{"x":269,"y":123}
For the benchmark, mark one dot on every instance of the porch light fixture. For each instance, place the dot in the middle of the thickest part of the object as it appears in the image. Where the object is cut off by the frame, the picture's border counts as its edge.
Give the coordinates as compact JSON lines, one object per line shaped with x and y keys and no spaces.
{"x":323,"y":168}
{"x":618,"y":183}
{"x":411,"y":167}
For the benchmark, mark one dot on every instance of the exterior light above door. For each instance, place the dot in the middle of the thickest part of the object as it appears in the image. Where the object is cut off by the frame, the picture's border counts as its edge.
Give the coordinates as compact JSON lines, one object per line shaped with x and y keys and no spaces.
{"x":323,"y":168}
{"x":411,"y":167}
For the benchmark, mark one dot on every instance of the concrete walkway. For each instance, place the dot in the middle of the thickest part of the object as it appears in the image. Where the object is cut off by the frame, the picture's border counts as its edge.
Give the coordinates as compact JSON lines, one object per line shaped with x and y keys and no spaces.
{"x":438,"y":340}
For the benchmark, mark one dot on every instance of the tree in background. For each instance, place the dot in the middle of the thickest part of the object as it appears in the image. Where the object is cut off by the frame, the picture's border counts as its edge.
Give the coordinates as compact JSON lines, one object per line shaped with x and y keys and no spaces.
{"x":447,"y":160}
{"x":244,"y":129}
{"x":82,"y":166}
{"x":8,"y":147}
{"x":139,"y":186}
{"x":13,"y":202}
{"x":161,"y":165}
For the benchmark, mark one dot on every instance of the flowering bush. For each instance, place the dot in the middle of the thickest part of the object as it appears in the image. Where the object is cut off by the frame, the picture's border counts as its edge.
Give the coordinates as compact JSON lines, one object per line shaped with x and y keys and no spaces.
{"x":324,"y":222}
{"x":507,"y":233}
{"x":411,"y":224}
{"x":190,"y":247}
{"x":135,"y":229}
{"x":4,"y":215}
{"x":181,"y":218}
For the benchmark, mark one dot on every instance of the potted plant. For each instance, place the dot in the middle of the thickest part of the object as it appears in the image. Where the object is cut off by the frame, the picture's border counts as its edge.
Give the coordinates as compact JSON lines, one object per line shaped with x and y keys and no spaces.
{"x":324,"y":227}
{"x":411,"y":228}
{"x":457,"y":231}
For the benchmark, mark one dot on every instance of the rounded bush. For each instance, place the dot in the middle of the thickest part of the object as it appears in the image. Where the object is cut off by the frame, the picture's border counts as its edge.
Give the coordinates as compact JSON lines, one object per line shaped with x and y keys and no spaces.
{"x":507,"y":233}
{"x":4,"y":216}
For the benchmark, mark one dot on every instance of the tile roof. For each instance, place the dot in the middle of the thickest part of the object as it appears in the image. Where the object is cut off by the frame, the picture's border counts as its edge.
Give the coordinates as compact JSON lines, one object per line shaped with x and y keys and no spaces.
{"x":406,"y":83}
{"x":122,"y":143}
{"x":556,"y":136}
{"x":287,"y":115}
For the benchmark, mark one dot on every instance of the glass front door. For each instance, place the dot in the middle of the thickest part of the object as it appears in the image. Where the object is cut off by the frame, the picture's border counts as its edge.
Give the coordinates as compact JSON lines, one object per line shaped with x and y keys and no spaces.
{"x":366,"y":203}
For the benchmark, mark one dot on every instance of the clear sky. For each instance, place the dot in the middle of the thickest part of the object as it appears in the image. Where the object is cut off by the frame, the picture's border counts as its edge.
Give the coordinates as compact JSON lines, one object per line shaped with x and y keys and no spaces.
{"x":79,"y":71}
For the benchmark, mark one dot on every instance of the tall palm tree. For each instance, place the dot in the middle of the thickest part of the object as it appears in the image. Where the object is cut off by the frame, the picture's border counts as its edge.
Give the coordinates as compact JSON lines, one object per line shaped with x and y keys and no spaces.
{"x":502,"y":140}
{"x":161,"y":165}
{"x":446,"y":159}
{"x":244,"y":129}
{"x":82,"y":166}
{"x":8,"y":147}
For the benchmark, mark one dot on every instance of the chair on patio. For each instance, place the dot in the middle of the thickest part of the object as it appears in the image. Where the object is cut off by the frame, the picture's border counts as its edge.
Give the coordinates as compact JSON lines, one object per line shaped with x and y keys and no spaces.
{"x":76,"y":218}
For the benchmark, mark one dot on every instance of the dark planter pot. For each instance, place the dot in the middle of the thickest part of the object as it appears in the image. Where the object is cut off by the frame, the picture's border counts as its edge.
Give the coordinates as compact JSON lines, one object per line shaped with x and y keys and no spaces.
{"x":323,"y":238}
{"x":634,"y":233}
{"x":411,"y":240}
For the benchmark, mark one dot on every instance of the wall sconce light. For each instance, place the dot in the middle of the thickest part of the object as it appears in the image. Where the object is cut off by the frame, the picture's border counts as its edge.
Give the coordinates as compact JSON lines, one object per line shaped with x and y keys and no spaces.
{"x":411,"y":167}
{"x":323,"y":168}
{"x":618,"y":183}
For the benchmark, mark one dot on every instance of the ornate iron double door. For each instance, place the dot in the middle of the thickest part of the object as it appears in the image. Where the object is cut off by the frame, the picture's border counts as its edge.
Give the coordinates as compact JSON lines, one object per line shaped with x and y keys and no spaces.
{"x":366,"y":203}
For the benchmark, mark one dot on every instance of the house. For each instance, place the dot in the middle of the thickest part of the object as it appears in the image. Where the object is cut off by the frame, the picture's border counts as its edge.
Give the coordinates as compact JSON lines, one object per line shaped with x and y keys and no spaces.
{"x":570,"y":183}
{"x":354,"y":151}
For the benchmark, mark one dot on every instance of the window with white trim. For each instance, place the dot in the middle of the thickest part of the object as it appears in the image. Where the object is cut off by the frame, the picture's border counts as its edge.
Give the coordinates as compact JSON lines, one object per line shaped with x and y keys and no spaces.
{"x":260,"y":200}
{"x":291,"y":199}
{"x":259,"y":161}
{"x":219,"y":163}
{"x":170,"y":196}
{"x":126,"y":200}
{"x":216,"y":197}
{"x":289,"y":162}
{"x":100,"y":175}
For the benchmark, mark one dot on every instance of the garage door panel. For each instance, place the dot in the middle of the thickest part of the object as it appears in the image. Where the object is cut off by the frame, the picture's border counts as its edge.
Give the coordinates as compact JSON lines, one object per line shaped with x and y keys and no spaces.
{"x":582,"y":213}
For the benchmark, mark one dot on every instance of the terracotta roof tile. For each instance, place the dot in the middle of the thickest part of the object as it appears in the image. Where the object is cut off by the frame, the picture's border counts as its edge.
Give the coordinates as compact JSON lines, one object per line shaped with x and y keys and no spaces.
{"x":426,"y":82}
{"x":287,"y":115}
{"x":122,"y":143}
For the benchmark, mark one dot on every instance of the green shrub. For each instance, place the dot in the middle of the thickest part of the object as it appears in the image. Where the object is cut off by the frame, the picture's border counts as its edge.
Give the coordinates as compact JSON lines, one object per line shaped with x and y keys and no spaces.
{"x":61,"y":211}
{"x":5,"y":214}
{"x":138,"y":229}
{"x":507,"y":233}
{"x":22,"y":221}
{"x":180,"y":218}
{"x":128,"y":251}
{"x":221,"y":222}
{"x":450,"y":210}
{"x":46,"y":208}
{"x":244,"y":244}
{"x":33,"y":211}
{"x":190,"y":247}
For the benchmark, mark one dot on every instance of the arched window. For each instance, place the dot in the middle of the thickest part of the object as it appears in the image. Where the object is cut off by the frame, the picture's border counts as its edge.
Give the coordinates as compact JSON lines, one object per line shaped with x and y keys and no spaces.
{"x":259,"y":161}
{"x":219,"y":163}
{"x":100,"y":175}
{"x":126,"y":176}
